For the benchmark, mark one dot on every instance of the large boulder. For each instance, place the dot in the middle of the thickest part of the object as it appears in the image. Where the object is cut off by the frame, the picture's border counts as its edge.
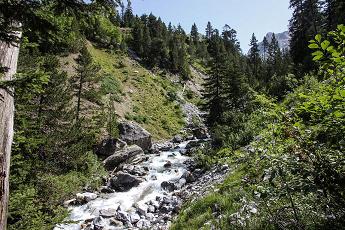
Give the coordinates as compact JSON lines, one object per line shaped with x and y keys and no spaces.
{"x":86,"y":197}
{"x":123,"y":182}
{"x":134,"y":134}
{"x":109,"y":146}
{"x":168,"y":186}
{"x":122,"y":156}
{"x":200,"y":133}
{"x":193,"y":144}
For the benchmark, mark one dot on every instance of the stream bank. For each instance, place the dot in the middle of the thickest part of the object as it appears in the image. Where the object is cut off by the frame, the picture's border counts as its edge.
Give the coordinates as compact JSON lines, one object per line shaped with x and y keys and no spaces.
{"x":147,"y":183}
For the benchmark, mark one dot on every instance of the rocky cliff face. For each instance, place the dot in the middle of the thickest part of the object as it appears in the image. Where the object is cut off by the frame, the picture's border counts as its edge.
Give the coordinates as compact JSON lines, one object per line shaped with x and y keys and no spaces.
{"x":283,"y":40}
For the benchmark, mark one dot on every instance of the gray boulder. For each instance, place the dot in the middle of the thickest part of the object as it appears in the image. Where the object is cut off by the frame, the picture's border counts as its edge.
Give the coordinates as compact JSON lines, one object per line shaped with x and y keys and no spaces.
{"x":86,"y":197}
{"x":188,"y":176}
{"x":177,"y":139}
{"x":143,"y":224}
{"x":134,"y":218}
{"x":109,"y":146}
{"x":134,"y":134}
{"x":123,"y":182}
{"x":122,"y":156}
{"x":193,"y":144}
{"x":116,"y":223}
{"x":107,"y":213}
{"x":200,"y":133}
{"x":169,"y":186}
{"x":99,"y":223}
{"x":122,"y":216}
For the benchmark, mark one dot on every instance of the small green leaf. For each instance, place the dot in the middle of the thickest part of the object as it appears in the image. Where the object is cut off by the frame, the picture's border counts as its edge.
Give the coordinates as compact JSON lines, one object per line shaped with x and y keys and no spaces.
{"x":341,"y":27}
{"x":317,"y":58}
{"x":325,"y":44}
{"x":313,"y":46}
{"x":317,"y":53}
{"x":342,"y":93}
{"x":336,"y":54}
{"x":330,"y":49}
{"x":338,"y":114}
{"x":318,"y":38}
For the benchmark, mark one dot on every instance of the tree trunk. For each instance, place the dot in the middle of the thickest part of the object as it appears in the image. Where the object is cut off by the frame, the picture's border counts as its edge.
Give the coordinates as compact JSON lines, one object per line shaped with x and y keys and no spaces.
{"x":8,"y":59}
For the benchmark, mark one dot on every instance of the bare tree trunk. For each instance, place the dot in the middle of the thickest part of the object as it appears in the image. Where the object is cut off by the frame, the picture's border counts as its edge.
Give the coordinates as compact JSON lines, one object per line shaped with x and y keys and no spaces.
{"x":8,"y":59}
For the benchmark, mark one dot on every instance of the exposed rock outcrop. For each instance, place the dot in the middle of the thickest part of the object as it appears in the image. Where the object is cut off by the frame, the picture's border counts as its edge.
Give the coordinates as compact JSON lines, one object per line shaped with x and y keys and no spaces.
{"x":123,"y":182}
{"x":109,"y":146}
{"x":122,"y":156}
{"x":200,"y":133}
{"x":134,"y":134}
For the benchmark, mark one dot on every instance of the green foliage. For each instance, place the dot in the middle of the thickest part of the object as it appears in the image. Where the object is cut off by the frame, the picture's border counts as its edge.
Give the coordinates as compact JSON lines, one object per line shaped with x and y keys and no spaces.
{"x":102,"y":31}
{"x":51,"y":158}
{"x":159,"y":47}
{"x":149,"y":93}
{"x":290,"y":156}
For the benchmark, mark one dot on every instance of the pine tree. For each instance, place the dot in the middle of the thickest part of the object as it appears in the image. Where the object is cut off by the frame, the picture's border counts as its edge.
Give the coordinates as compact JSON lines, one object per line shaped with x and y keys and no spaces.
{"x":213,"y":87}
{"x":334,"y":13}
{"x":86,"y":74}
{"x":265,"y":45}
{"x":194,"y":34}
{"x":273,"y":58}
{"x":128,"y":15}
{"x":147,"y":42}
{"x":306,"y":22}
{"x":138,"y":38}
{"x":209,"y":30}
{"x":254,"y":55}
{"x":229,"y":36}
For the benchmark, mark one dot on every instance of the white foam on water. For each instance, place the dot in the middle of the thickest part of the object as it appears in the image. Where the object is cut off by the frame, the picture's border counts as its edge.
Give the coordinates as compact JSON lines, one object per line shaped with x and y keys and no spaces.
{"x":146,"y":191}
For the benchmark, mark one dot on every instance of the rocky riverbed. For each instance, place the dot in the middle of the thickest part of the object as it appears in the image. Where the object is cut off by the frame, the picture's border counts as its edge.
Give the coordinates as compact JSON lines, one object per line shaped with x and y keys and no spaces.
{"x":147,"y":183}
{"x":145,"y":195}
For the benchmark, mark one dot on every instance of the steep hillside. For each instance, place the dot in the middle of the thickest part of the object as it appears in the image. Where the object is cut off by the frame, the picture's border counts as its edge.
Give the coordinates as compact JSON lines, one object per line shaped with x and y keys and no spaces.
{"x":143,"y":96}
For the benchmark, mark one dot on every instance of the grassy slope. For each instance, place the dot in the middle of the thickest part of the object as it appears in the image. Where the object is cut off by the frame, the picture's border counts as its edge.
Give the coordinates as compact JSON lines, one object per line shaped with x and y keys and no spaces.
{"x":144,"y":95}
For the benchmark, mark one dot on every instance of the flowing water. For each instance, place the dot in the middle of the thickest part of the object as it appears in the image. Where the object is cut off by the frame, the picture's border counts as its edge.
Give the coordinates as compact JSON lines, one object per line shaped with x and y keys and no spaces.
{"x":146,"y":191}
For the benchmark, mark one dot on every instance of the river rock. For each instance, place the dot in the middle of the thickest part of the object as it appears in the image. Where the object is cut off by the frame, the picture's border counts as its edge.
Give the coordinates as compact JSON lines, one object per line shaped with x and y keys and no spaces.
{"x":134,"y":218}
{"x":83,"y":198}
{"x":167,"y":164}
{"x":150,"y":216}
{"x":121,"y":156}
{"x":122,"y":216}
{"x":116,"y":223}
{"x":151,"y":209}
{"x":192,"y":144}
{"x":99,"y":223}
{"x":191,"y":164}
{"x":188,"y":176}
{"x":123,"y":182}
{"x":107,"y":213}
{"x":183,"y":152}
{"x":141,"y":209}
{"x":106,"y":189}
{"x":134,"y":134}
{"x":68,"y":203}
{"x":109,"y":146}
{"x":143,"y":224}
{"x":169,"y":186}
{"x":200,"y":133}
{"x":162,"y":147}
{"x":198,"y":173}
{"x":154,"y":203}
{"x":135,"y":170}
{"x":177,"y":139}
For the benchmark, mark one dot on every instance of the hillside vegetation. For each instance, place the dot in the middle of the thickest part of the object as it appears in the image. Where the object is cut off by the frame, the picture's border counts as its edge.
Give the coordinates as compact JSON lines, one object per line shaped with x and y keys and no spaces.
{"x":275,"y":118}
{"x":146,"y":97}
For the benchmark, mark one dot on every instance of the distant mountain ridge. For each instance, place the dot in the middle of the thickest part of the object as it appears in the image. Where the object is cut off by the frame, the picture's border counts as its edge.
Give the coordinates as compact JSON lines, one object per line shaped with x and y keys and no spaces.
{"x":283,"y":40}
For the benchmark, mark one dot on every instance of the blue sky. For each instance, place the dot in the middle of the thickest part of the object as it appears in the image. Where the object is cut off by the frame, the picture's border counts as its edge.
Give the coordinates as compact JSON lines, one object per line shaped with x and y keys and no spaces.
{"x":245,"y":16}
